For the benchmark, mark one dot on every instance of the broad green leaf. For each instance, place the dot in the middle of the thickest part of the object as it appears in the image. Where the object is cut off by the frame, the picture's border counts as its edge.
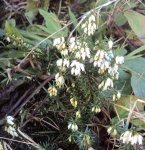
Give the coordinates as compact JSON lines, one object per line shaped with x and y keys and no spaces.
{"x":30,"y":15}
{"x":130,"y":4}
{"x":138,"y":84}
{"x":13,"y":54}
{"x":137,"y":70}
{"x":52,"y":23}
{"x":119,"y":19}
{"x":138,"y":50}
{"x":137,"y":23}
{"x":73,"y":19}
{"x":135,"y":65}
{"x":32,"y":8}
{"x":10,"y":28}
{"x":119,"y":52}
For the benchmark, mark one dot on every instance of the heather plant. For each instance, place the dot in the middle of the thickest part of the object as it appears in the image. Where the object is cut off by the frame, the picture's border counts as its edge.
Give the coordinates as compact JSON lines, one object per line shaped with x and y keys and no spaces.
{"x":89,"y":83}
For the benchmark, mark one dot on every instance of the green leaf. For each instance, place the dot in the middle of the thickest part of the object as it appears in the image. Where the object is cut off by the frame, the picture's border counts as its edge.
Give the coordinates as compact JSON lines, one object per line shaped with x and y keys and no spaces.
{"x":11,"y":29}
{"x":137,"y":23}
{"x":137,"y":70}
{"x":119,"y":19}
{"x":119,"y":52}
{"x":13,"y":54}
{"x":130,"y":4}
{"x":53,"y":24}
{"x":30,"y":15}
{"x":138,"y":84}
{"x":32,"y":8}
{"x":138,"y":50}
{"x":73,"y":19}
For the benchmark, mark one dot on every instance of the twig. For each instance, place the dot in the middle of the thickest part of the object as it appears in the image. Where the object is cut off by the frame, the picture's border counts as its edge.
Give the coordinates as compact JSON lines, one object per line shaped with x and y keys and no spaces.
{"x":4,"y":138}
{"x":36,"y":91}
{"x":20,"y":100}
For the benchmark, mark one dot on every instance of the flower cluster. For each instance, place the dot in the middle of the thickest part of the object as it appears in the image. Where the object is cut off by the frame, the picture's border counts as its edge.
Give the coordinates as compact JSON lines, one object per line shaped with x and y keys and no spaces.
{"x":76,"y":68}
{"x":105,"y":84}
{"x":62,"y":64}
{"x":73,"y":126}
{"x":96,"y":109}
{"x":90,"y":26}
{"x":78,"y":58}
{"x":134,"y":139}
{"x":52,"y":91}
{"x":112,"y":131}
{"x":59,"y":79}
{"x":59,"y":43}
{"x":104,"y":60}
{"x":10,"y":126}
{"x":117,"y":96}
{"x":74,"y":102}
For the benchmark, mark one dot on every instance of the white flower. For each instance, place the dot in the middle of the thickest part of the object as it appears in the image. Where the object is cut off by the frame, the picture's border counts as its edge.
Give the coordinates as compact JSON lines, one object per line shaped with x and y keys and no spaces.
{"x":59,"y":62}
{"x":109,"y":130}
{"x":73,"y":44}
{"x":8,"y":39}
{"x":10,"y":120}
{"x":140,"y":139}
{"x":59,"y":43}
{"x":89,"y":26}
{"x":78,"y":114}
{"x":62,"y":64}
{"x":11,"y":130}
{"x":126,"y":137}
{"x":133,"y":139}
{"x":83,"y":53}
{"x":109,"y":55}
{"x":113,"y":71}
{"x":87,"y":52}
{"x":52,"y":91}
{"x":91,"y":148}
{"x":108,"y":83}
{"x":92,"y":18}
{"x":110,"y":44}
{"x":74,"y":102}
{"x":96,"y":109}
{"x":59,"y":79}
{"x":77,"y":67}
{"x":136,"y":139}
{"x":118,"y":95}
{"x":112,"y":132}
{"x":72,"y":40}
{"x":101,"y":85}
{"x":119,"y":60}
{"x":114,"y":97}
{"x":102,"y":60}
{"x":64,"y":52}
{"x":73,"y":126}
{"x":66,"y":63}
